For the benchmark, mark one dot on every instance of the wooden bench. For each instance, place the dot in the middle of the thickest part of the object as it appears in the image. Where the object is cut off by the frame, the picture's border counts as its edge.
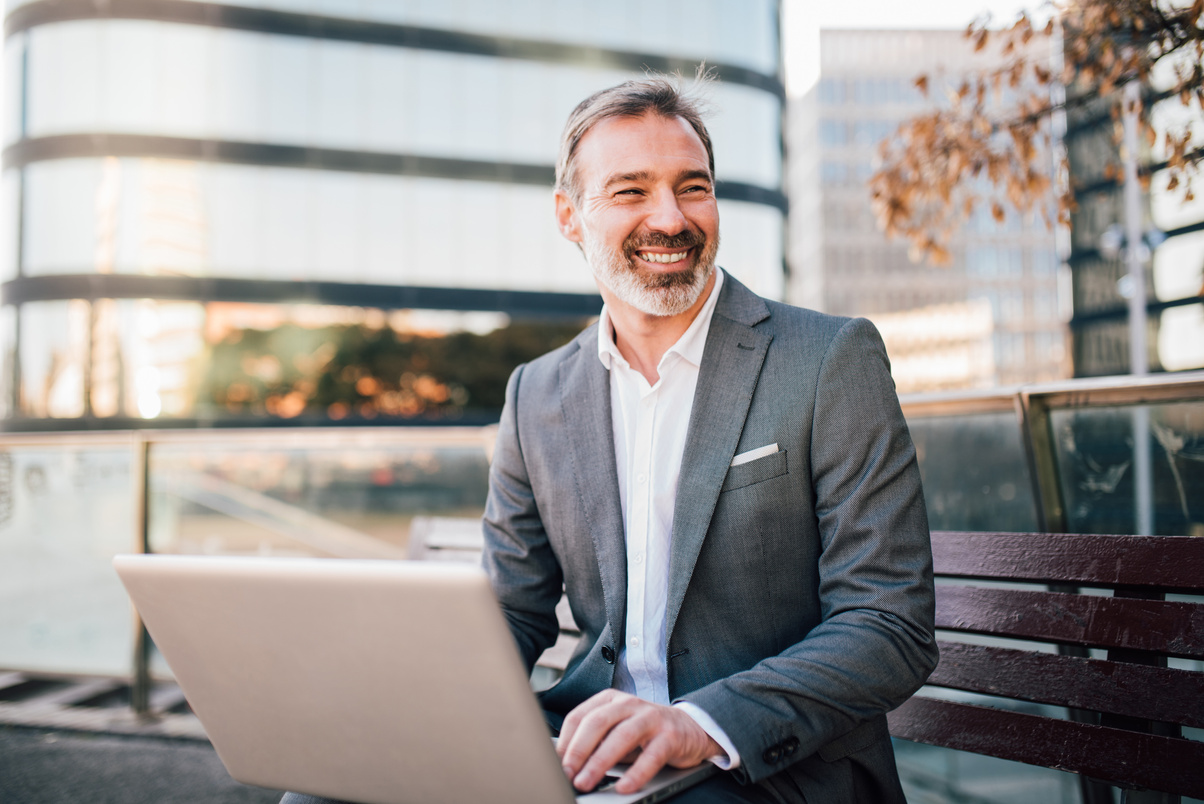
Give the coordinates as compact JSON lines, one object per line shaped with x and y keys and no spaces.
{"x":1068,"y":597}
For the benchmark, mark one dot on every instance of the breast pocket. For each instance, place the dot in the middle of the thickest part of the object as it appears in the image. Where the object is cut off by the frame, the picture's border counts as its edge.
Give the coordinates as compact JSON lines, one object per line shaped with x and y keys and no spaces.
{"x":758,"y":471}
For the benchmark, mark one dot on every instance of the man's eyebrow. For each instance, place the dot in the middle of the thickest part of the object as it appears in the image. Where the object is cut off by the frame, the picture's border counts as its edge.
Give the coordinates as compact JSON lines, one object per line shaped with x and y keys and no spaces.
{"x":624,"y":178}
{"x":696,"y":175}
{"x":645,"y":175}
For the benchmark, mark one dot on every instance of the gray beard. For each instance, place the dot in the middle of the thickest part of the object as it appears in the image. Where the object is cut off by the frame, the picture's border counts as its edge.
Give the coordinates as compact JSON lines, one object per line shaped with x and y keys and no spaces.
{"x":652,"y":294}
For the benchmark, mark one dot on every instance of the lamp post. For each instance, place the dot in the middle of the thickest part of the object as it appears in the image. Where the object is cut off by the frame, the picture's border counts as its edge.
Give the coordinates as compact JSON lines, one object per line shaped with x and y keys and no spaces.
{"x":1136,"y":255}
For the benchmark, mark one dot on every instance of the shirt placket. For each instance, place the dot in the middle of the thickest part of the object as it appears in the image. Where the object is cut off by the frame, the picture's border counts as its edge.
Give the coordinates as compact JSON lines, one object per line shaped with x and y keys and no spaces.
{"x":638,"y":640}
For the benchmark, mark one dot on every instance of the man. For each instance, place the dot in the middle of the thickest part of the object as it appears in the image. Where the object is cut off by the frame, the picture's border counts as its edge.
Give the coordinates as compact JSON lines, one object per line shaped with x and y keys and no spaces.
{"x":723,"y":486}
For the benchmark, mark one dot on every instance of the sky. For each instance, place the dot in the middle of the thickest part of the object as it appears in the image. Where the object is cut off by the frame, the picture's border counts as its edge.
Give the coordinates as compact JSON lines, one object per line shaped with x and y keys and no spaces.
{"x":802,"y":19}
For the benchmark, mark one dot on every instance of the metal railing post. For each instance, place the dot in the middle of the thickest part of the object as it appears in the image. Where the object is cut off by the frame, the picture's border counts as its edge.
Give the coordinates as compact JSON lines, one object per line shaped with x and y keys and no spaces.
{"x":1039,"y":443}
{"x":141,"y":682}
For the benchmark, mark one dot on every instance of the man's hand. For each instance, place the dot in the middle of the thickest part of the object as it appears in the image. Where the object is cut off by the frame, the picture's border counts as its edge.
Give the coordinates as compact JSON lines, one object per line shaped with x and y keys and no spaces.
{"x":613,"y":727}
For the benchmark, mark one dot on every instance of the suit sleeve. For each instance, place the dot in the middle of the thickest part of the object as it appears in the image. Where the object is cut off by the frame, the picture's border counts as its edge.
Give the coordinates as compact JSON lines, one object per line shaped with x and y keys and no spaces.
{"x":525,"y":574}
{"x":875,"y":643}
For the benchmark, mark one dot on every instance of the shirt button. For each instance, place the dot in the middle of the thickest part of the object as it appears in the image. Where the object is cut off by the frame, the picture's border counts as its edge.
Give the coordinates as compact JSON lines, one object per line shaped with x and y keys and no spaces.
{"x":641,"y":478}
{"x":639,"y":559}
{"x":635,"y":642}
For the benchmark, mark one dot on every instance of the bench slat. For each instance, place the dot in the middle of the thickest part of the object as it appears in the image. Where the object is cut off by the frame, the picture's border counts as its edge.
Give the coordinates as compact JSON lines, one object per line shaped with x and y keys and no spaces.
{"x":1171,"y":563}
{"x":1114,"y":755}
{"x":1170,"y":628}
{"x":1140,"y":691}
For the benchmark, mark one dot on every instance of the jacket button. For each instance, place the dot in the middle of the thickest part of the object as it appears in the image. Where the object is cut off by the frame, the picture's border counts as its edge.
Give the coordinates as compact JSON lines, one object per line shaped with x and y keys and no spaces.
{"x":608,"y":655}
{"x":790,"y":747}
{"x":772,"y":755}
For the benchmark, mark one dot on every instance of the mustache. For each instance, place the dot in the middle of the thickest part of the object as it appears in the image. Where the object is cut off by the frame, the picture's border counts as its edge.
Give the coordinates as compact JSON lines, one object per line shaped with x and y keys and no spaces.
{"x":688,"y":238}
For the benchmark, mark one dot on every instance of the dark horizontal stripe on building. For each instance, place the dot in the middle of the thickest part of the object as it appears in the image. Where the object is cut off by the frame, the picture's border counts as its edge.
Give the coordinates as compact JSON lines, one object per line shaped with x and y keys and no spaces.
{"x":1079,"y":256}
{"x":1102,"y":185}
{"x":96,"y":145}
{"x":1118,"y":313}
{"x":1090,"y":120}
{"x":516,"y":303}
{"x":21,"y":424}
{"x":340,"y":29}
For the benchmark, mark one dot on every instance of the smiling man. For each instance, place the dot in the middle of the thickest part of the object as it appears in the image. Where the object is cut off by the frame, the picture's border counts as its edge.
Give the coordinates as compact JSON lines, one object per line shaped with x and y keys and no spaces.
{"x":723,"y":486}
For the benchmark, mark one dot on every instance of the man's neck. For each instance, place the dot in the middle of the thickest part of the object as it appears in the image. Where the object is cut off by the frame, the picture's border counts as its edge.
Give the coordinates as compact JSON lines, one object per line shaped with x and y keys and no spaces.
{"x":643,"y":339}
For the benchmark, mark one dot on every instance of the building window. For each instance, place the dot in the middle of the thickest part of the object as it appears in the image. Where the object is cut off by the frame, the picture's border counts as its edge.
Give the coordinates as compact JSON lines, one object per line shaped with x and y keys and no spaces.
{"x":833,"y":133}
{"x":831,"y":172}
{"x":832,"y":91}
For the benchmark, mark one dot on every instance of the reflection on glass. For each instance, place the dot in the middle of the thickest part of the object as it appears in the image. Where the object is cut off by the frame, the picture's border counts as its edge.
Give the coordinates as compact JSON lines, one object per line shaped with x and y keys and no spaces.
{"x":163,"y":217}
{"x":10,"y":183}
{"x":135,"y":358}
{"x":8,"y":357}
{"x":148,"y":359}
{"x":355,"y":501}
{"x":974,"y":473}
{"x":191,"y":81}
{"x":53,"y":354}
{"x":64,"y":513}
{"x":1097,"y":469}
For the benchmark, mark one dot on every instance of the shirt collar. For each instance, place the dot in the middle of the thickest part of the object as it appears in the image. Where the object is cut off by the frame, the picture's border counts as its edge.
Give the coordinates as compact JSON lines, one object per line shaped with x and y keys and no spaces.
{"x":689,"y":346}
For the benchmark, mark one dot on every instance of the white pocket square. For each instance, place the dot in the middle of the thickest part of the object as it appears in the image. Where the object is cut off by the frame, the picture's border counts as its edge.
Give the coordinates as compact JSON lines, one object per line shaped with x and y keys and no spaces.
{"x":753,"y":454}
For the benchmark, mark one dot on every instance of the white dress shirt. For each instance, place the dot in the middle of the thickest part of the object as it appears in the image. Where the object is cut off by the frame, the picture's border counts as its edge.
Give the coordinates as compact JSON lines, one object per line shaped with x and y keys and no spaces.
{"x":650,"y":423}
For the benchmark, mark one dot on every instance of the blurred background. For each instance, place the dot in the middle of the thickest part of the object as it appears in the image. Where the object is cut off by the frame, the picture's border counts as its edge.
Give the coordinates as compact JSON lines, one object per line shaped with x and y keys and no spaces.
{"x":265,"y":269}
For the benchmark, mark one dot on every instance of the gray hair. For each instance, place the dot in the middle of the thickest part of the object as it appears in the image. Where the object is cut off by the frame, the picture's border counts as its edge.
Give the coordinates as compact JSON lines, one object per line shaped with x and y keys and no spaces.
{"x":656,"y":94}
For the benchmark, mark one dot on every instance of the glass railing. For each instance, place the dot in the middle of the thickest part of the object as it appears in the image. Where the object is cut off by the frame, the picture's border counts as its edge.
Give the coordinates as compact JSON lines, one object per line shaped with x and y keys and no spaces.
{"x":70,"y":502}
{"x":67,"y":505}
{"x":1109,"y":455}
{"x":1114,"y":455}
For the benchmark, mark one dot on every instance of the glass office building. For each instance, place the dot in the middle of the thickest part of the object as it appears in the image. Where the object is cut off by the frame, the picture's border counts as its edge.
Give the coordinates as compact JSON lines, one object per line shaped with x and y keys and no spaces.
{"x":206,"y":203}
{"x":996,"y":315}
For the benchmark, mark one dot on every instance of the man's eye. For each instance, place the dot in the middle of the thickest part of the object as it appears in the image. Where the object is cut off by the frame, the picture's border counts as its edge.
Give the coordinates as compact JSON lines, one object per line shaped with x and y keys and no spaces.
{"x":628,"y":192}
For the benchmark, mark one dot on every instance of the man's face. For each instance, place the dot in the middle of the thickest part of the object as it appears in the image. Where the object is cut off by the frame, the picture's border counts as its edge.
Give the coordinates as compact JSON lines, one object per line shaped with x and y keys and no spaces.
{"x":646,"y":219}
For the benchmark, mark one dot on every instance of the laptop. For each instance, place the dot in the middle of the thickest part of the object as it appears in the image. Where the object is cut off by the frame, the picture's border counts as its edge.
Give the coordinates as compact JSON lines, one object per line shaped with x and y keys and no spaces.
{"x":377,"y":682}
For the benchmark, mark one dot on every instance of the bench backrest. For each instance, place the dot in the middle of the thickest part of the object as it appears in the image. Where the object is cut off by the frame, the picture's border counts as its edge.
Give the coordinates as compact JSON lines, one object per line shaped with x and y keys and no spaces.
{"x":1126,"y":709}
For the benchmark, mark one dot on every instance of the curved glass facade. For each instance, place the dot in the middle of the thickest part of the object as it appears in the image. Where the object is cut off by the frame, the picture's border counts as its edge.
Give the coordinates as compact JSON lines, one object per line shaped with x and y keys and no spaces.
{"x":156,"y":216}
{"x":168,"y":159}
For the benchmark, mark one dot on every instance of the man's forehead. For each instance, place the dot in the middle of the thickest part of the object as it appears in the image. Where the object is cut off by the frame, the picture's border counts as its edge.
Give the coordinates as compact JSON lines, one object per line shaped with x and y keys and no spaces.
{"x":635,"y":148}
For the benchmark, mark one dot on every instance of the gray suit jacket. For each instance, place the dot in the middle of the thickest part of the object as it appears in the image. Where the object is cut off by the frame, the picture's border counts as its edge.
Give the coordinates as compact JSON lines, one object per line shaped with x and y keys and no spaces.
{"x":800,"y":602}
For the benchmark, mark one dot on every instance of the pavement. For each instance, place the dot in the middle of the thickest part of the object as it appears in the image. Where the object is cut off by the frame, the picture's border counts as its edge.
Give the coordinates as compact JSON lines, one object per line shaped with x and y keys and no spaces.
{"x":76,"y":740}
{"x":54,"y":766}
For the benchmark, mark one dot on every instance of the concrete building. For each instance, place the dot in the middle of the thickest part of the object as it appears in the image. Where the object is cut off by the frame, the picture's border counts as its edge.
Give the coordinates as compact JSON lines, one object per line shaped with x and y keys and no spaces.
{"x":177,"y":174}
{"x":997,"y":314}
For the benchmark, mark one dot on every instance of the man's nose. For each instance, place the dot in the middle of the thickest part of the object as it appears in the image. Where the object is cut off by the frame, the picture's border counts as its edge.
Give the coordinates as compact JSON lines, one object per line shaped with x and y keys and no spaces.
{"x":666,"y":215}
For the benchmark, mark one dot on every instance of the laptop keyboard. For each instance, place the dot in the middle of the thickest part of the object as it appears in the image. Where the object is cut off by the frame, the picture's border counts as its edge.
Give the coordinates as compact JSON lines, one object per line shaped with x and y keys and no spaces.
{"x":607,"y":783}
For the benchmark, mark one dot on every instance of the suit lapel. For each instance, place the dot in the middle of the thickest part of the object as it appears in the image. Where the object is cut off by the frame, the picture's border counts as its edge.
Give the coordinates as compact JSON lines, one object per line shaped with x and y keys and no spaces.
{"x":728,"y":376}
{"x":585,"y":402}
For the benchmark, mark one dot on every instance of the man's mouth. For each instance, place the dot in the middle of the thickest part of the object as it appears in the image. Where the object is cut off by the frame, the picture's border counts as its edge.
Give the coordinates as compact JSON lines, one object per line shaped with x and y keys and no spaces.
{"x":664,"y":259}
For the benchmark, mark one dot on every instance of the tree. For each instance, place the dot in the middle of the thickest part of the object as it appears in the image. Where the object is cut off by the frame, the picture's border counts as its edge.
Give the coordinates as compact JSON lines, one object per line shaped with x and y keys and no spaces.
{"x":934,"y":168}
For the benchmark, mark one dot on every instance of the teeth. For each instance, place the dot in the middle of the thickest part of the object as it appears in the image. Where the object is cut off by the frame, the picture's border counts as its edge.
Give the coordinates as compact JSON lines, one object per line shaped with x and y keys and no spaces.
{"x":663,"y":258}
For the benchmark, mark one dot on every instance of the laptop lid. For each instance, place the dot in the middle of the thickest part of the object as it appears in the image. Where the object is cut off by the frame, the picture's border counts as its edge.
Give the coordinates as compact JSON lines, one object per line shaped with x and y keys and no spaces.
{"x":382,"y":682}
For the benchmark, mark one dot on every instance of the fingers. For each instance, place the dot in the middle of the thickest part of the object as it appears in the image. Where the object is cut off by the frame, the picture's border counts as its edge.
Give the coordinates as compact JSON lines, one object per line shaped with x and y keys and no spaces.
{"x":646,"y":765}
{"x":678,"y":741}
{"x":613,"y":727}
{"x":568,"y":729}
{"x":601,"y":732}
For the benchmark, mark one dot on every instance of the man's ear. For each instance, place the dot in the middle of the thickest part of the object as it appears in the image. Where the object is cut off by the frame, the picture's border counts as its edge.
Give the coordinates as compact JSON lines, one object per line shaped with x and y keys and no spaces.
{"x":566,"y":217}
